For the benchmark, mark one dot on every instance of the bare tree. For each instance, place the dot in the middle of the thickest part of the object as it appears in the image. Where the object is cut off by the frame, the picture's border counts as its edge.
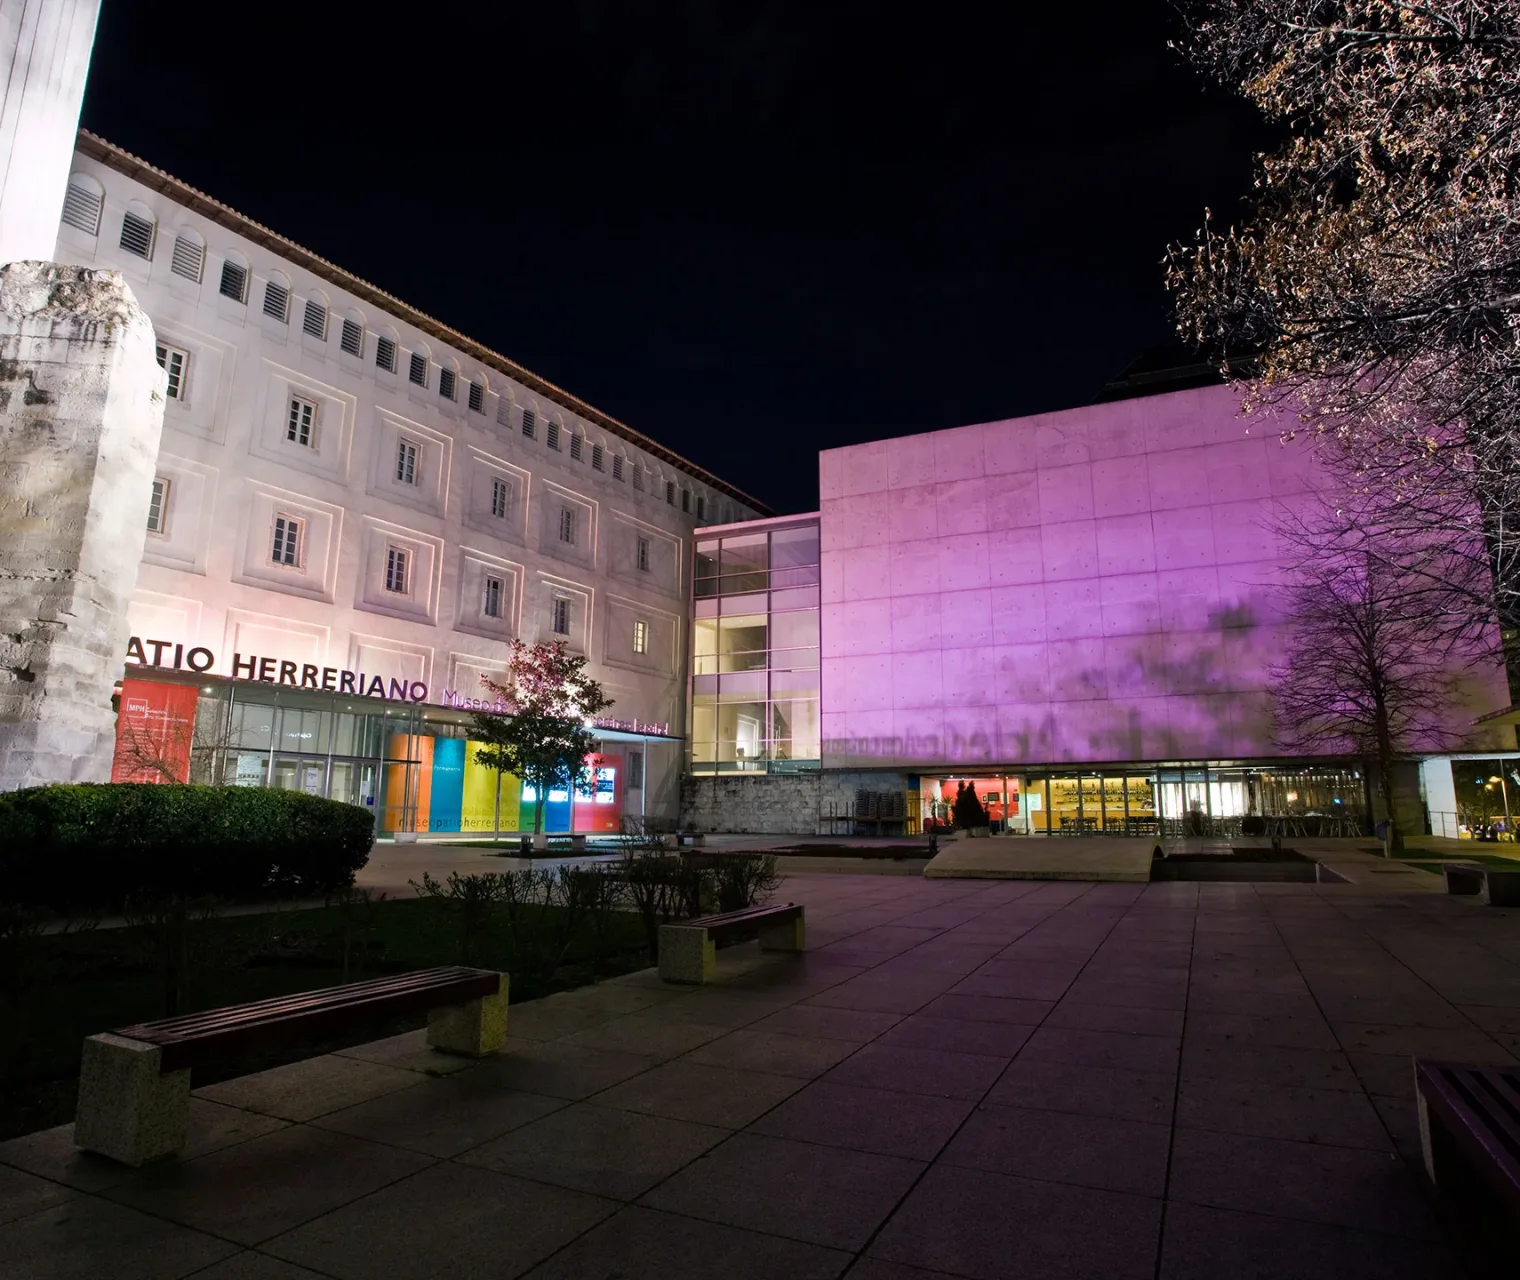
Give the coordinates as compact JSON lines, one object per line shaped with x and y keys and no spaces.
{"x":1374,"y":279}
{"x":1364,"y":672}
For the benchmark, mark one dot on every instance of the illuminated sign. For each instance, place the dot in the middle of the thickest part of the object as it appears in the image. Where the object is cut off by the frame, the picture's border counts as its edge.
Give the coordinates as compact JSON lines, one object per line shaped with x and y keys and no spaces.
{"x":169,"y":656}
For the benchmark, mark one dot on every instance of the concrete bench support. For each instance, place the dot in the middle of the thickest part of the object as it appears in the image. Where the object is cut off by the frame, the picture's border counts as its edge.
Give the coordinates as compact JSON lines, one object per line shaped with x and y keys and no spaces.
{"x":475,"y":1029}
{"x":128,"y":1109}
{"x":1496,"y":886}
{"x":689,"y":950}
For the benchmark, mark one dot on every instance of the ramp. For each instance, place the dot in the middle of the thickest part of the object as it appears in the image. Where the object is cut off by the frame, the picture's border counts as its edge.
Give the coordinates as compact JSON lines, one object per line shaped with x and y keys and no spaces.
{"x":1110,"y":858}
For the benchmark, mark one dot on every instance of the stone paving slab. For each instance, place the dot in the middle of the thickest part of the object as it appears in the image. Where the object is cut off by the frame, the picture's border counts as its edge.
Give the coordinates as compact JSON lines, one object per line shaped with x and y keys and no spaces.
{"x":974,"y":1079}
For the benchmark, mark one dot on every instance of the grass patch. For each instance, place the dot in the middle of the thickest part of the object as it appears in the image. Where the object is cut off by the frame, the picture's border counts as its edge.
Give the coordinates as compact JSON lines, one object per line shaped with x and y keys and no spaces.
{"x":77,"y":985}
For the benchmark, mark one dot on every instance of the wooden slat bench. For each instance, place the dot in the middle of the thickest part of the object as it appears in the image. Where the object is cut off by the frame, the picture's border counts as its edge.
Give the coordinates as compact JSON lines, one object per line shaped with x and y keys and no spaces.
{"x":1470,"y":1116}
{"x":1497,"y":886}
{"x":688,"y":950}
{"x":134,"y":1083}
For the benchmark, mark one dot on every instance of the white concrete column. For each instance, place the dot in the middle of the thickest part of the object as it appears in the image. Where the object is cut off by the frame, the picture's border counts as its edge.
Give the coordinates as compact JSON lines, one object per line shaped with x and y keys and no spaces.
{"x":81,"y":412}
{"x":44,"y":57}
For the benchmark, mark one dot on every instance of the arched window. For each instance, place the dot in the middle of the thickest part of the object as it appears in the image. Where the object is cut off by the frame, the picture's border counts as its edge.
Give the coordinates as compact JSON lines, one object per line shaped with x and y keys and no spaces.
{"x":387,"y":349}
{"x":577,"y":445}
{"x":351,"y":340}
{"x":235,"y":276}
{"x":448,"y":378}
{"x":82,"y":203}
{"x":277,"y":297}
{"x":417,"y":366}
{"x":599,"y":457}
{"x":189,"y":256}
{"x":618,"y":464}
{"x":475,"y":393}
{"x":139,"y":229}
{"x":314,"y":316}
{"x":504,"y":402}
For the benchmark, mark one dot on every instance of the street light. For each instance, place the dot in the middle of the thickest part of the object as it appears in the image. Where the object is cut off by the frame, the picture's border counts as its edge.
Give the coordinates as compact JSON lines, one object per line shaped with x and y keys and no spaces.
{"x":1504,"y":789}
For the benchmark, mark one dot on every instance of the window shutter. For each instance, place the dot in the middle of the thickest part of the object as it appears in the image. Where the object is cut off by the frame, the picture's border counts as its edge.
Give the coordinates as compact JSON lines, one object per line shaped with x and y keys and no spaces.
{"x":477,"y":397}
{"x":276,"y":301}
{"x":352,"y":339}
{"x":137,"y":235}
{"x":314,"y":321}
{"x":551,"y":436}
{"x":189,"y":258}
{"x":617,"y":466}
{"x":446,"y":384}
{"x":81,"y":209}
{"x":504,"y":411}
{"x":418,"y":372}
{"x":529,"y":423}
{"x":598,"y":458}
{"x":234,"y":283}
{"x":385,"y":354}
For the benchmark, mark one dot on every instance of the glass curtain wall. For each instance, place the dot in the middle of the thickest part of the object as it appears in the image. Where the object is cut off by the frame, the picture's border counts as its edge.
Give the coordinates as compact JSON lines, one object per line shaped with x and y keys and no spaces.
{"x":755,"y":652}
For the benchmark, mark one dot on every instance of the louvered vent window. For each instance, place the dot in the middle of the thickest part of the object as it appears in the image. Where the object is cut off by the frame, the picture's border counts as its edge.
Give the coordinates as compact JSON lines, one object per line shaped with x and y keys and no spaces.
{"x":685,"y":499}
{"x":701,"y":507}
{"x":81,"y":209}
{"x":551,"y":436}
{"x":446,"y":384}
{"x":670,"y":492}
{"x":137,"y":234}
{"x":598,"y":458}
{"x":576,"y":445}
{"x":418,"y":372}
{"x":352,"y":338}
{"x":385,"y":354}
{"x":530,"y":423}
{"x":314,"y":320}
{"x":638,"y":477}
{"x":567,"y":526}
{"x":477,"y":397}
{"x":276,"y":301}
{"x":234,"y":282}
{"x":617,"y":466}
{"x":504,"y":411}
{"x":189,"y":258}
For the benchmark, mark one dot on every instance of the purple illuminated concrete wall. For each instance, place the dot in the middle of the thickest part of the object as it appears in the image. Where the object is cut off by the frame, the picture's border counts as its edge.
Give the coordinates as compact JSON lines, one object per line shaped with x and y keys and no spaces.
{"x":1094,"y":586}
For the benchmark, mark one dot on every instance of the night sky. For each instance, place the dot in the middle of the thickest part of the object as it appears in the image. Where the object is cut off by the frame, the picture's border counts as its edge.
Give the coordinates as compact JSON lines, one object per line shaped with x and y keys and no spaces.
{"x":750,"y":230}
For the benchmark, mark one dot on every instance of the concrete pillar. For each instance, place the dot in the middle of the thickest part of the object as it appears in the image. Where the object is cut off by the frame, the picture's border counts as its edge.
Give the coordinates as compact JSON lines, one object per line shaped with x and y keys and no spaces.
{"x":44,"y":56}
{"x":81,"y":411}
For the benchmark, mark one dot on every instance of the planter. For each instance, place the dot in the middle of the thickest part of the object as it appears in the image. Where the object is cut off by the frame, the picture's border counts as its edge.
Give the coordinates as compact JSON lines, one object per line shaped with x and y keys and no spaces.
{"x":405,"y":837}
{"x":578,"y":843}
{"x":541,"y":840}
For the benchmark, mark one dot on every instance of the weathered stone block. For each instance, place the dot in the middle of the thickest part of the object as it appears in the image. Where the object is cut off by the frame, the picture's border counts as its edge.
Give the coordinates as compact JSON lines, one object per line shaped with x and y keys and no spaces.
{"x":686,"y":954}
{"x":475,"y":1029}
{"x":128,"y":1110}
{"x":788,"y":935}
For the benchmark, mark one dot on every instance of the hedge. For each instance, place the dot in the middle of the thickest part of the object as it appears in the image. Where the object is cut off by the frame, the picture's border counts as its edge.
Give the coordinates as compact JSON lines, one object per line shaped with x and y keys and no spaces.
{"x":94,"y":845}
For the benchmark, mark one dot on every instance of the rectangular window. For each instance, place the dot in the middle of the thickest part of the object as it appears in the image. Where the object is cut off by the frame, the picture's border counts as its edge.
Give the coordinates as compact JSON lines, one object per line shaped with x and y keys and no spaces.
{"x":561,"y":618}
{"x":188,"y":259}
{"x":567,"y":525}
{"x":575,"y":445}
{"x":477,"y":397}
{"x":397,"y":562}
{"x":173,"y":361}
{"x":551,"y":435}
{"x":314,"y":320}
{"x":685,"y":499}
{"x":406,"y":462}
{"x":446,"y":384}
{"x":276,"y":301}
{"x":635,"y":780}
{"x":530,"y":423}
{"x":701,"y":506}
{"x":418,"y":370}
{"x":137,"y":235}
{"x":234,"y":283}
{"x":670,"y":493}
{"x":351,"y":341}
{"x":501,"y":497}
{"x":598,"y":458}
{"x":158,"y":507}
{"x":301,"y":421}
{"x":617,"y":466}
{"x":385,"y":354}
{"x":287,"y":540}
{"x":640,"y":636}
{"x":643,"y":554}
{"x":81,"y":209}
{"x":490,"y":604}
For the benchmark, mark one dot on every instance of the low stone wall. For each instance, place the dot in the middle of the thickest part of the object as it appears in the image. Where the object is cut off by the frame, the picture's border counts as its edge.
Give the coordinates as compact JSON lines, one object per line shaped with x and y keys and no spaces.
{"x":776,"y":803}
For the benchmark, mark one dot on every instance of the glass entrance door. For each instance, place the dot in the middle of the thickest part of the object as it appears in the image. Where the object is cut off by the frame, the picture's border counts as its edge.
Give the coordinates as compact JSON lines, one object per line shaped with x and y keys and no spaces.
{"x":309,"y":776}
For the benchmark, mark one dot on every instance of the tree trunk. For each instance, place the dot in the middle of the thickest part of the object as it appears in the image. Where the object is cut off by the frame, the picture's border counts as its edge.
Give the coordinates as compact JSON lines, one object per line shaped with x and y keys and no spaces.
{"x":1395,"y":842}
{"x":496,"y":823}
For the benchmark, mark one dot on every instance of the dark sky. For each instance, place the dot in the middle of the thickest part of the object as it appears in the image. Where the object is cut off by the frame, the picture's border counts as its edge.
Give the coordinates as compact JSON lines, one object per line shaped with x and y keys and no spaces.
{"x":750,"y":230}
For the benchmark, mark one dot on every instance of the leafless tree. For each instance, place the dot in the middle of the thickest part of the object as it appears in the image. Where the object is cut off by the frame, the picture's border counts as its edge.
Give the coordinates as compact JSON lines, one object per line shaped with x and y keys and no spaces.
{"x":1373,"y":282}
{"x":1364,"y":671}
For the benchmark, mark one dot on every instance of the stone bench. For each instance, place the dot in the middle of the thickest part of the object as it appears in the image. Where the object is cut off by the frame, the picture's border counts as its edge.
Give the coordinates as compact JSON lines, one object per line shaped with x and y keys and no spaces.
{"x":688,"y":950}
{"x":1470,"y":1122}
{"x":1497,"y":886}
{"x":134,"y":1083}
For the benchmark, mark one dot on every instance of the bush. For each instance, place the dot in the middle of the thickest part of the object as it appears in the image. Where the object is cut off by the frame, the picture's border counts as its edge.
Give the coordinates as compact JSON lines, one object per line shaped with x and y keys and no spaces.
{"x":99,"y":844}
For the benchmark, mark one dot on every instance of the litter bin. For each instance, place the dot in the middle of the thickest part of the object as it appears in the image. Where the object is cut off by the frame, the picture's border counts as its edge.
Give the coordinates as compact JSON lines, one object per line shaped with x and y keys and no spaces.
{"x":1380,"y":830}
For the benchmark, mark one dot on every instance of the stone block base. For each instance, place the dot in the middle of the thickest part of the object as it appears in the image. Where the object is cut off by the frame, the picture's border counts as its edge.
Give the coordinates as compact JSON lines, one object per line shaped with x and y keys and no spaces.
{"x":788,"y":935}
{"x":127,"y":1109}
{"x":475,"y":1029}
{"x":686,"y":955}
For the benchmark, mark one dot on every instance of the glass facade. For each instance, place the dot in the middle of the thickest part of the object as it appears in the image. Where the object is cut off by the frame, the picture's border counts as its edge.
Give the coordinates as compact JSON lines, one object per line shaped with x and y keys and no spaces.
{"x":754,"y":651}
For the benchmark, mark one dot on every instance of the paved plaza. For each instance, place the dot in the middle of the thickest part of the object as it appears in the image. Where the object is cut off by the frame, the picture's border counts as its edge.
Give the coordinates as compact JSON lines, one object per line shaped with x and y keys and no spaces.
{"x":960,"y":1078}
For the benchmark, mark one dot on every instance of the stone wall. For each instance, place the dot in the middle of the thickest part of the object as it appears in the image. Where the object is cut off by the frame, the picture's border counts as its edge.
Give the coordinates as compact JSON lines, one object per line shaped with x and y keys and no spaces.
{"x":81,"y":411}
{"x":777,"y":804}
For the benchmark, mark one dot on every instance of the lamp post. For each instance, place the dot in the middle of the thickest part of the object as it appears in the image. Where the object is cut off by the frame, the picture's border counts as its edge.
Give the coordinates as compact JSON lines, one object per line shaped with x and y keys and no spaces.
{"x":1504,"y":790}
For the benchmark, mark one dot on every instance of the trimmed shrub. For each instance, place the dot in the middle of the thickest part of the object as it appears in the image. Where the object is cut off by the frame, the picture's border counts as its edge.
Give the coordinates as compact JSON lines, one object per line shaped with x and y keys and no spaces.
{"x":98,"y":844}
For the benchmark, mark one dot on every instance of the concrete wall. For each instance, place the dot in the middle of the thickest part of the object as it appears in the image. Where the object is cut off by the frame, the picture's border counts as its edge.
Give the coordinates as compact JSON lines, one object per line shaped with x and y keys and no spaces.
{"x":782,"y":803}
{"x":1094,"y":585}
